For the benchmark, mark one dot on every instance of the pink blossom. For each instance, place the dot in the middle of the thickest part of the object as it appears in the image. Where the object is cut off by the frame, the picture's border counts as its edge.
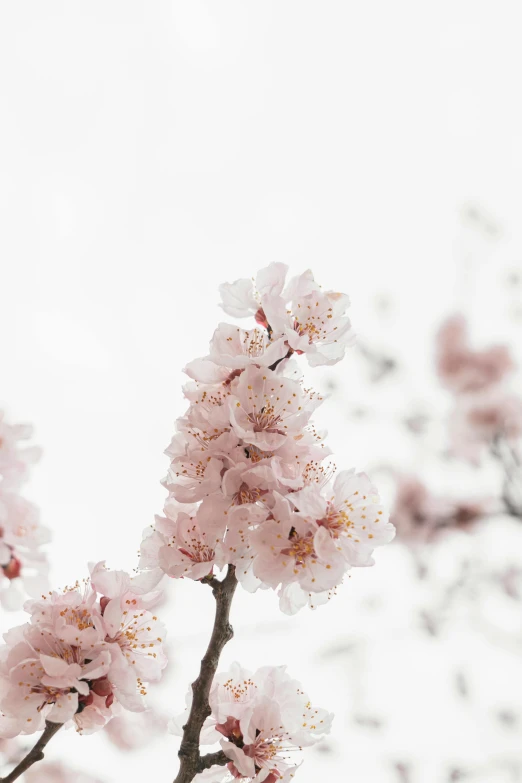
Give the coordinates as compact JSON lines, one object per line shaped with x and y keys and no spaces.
{"x":288,"y":548}
{"x":15,"y":457}
{"x":12,"y":751}
{"x":188,"y":541}
{"x":208,"y":411}
{"x":463,"y":370}
{"x":316,"y":325}
{"x":23,"y":565}
{"x":420,"y":516}
{"x":239,"y":547}
{"x":307,"y":467}
{"x":247,"y":441}
{"x":416,"y":514}
{"x":244,"y":483}
{"x":193,"y":476}
{"x":245,"y":297}
{"x":55,"y":772}
{"x":267,"y":410}
{"x":350,"y":512}
{"x":234,"y":349}
{"x":44,"y":678}
{"x":478,"y":420}
{"x":79,"y":655}
{"x":308,"y":320}
{"x":132,"y":731}
{"x":134,"y":634}
{"x":263,"y":720}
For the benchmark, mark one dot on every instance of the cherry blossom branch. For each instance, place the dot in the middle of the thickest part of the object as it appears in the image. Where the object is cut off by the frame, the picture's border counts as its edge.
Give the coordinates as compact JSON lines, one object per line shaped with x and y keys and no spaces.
{"x":35,"y":754}
{"x":191,"y":762}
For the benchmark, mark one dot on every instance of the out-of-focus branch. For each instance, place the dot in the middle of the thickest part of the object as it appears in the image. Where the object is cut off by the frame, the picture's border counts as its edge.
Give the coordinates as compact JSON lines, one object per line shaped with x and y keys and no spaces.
{"x":191,"y":762}
{"x":35,"y":754}
{"x":510,"y":461}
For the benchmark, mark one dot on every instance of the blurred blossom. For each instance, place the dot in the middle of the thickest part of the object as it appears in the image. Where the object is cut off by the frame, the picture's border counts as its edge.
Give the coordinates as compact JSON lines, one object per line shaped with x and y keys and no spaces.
{"x":23,"y":565}
{"x":479,"y":420}
{"x":11,"y":751}
{"x":131,"y":731}
{"x":419,"y":515}
{"x":57,"y":773}
{"x":16,"y":456}
{"x":463,"y":370}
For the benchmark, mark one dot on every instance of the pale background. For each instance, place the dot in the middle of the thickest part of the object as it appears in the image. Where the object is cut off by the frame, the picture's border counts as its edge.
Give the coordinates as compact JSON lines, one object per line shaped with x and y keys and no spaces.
{"x":150,"y":151}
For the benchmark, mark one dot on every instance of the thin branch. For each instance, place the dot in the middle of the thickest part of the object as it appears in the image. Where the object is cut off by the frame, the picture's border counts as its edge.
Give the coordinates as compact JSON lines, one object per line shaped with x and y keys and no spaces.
{"x":34,"y":755}
{"x":213,"y":759}
{"x":210,"y":580}
{"x":191,"y":762}
{"x":509,"y":459}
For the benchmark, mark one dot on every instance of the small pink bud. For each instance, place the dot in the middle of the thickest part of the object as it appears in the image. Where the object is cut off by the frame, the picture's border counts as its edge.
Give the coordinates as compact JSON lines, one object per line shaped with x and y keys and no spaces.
{"x":13,"y":568}
{"x":102,"y":687}
{"x":103,"y":603}
{"x":261,"y":318}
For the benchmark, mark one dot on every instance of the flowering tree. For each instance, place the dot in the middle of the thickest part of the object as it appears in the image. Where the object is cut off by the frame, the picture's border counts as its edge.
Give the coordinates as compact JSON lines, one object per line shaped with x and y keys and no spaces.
{"x":251,"y":501}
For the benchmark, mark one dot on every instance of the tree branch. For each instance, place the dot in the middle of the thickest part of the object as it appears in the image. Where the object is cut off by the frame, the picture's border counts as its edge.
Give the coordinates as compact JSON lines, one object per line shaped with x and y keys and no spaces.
{"x":212,"y":759}
{"x":191,"y":762}
{"x":34,"y":755}
{"x":210,"y":580}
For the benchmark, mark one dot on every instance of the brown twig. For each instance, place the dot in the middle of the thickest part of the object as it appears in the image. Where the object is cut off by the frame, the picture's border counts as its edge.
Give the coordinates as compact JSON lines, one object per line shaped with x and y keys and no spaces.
{"x":213,"y":759}
{"x":35,"y":754}
{"x":191,"y":762}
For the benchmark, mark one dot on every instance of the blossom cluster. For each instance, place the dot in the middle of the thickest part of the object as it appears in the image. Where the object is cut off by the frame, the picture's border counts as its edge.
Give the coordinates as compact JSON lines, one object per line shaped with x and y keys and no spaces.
{"x":485,"y":409}
{"x":248,"y":483}
{"x":23,"y":565}
{"x":85,"y":654}
{"x":261,"y":720}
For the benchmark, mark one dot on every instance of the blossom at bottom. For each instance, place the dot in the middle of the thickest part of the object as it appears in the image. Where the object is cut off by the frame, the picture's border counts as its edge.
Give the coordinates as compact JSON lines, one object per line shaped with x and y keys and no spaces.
{"x":264,"y":719}
{"x":80,"y":657}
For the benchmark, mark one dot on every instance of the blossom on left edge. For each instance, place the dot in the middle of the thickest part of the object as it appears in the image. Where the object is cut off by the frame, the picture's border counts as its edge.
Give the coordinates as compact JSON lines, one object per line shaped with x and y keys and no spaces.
{"x":23,"y":564}
{"x":85,"y":654}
